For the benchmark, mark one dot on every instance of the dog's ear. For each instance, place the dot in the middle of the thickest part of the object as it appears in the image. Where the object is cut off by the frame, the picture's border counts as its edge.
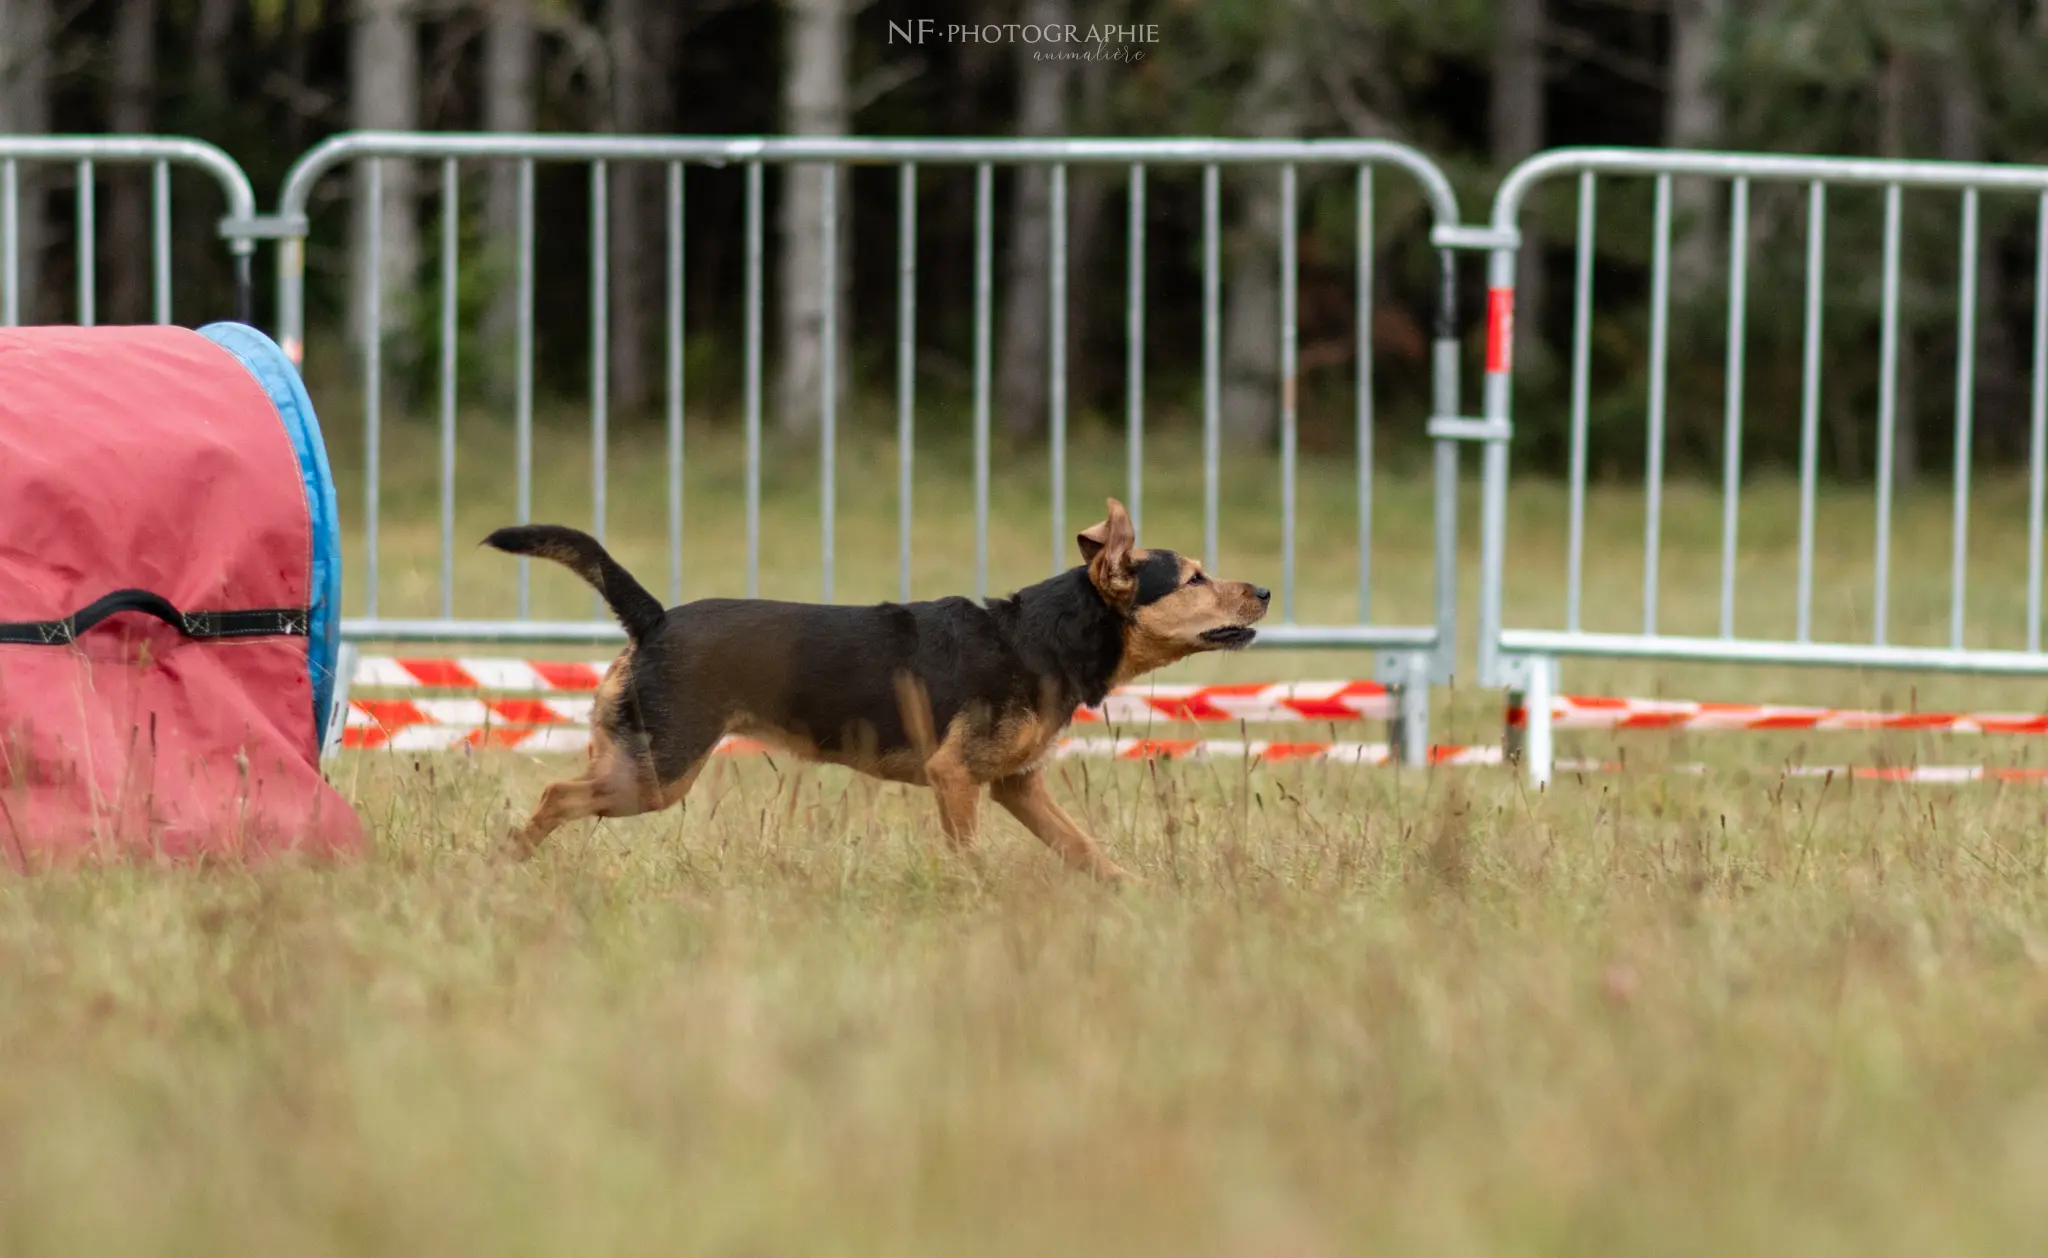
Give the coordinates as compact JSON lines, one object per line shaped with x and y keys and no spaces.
{"x":1106,"y":548}
{"x":1114,"y":533}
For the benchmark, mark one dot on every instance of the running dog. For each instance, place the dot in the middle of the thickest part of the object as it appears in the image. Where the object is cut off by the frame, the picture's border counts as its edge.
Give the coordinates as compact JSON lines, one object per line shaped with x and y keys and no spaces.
{"x":951,"y":694}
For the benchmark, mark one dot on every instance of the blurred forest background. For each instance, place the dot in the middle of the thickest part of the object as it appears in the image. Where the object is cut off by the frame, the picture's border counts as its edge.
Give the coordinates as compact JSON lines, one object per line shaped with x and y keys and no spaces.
{"x":1476,"y":84}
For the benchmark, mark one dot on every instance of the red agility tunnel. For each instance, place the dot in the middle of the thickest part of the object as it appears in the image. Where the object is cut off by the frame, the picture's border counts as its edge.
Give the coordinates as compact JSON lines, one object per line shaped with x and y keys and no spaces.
{"x":169,"y":590}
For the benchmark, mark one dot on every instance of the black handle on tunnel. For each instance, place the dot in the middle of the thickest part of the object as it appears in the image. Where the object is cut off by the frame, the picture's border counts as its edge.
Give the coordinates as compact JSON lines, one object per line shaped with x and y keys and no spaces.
{"x":257,"y":622}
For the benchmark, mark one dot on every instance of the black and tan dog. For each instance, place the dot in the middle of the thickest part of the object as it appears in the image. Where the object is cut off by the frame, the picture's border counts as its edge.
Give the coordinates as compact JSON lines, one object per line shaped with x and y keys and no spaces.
{"x":951,"y":694}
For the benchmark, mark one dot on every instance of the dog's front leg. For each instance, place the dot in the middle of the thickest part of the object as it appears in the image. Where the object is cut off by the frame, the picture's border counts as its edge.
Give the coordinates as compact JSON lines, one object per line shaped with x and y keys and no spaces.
{"x":959,"y":797}
{"x":1027,"y":799}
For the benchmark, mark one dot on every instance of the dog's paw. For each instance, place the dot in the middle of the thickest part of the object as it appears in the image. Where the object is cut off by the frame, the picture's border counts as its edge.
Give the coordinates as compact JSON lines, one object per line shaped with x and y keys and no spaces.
{"x":513,"y":846}
{"x":1117,"y":878}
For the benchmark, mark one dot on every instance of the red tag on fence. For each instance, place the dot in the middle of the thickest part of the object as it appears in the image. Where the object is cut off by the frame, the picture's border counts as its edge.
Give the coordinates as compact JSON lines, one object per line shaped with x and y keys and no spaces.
{"x":1500,"y":330}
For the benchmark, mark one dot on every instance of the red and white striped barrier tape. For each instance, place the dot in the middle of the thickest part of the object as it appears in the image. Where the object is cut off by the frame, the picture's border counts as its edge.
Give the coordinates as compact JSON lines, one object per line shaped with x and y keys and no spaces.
{"x":1128,"y":705}
{"x":1262,"y":751}
{"x":1591,"y":712}
{"x":397,"y":714}
{"x":1250,"y":702}
{"x":569,"y":738}
{"x":550,"y":724}
{"x":387,"y":672}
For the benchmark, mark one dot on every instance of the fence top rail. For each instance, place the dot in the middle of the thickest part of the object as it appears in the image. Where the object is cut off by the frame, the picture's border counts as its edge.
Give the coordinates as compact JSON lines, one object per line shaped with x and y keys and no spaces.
{"x":1507,"y":203}
{"x":1677,"y":648}
{"x":348,"y":146}
{"x":241,"y":195}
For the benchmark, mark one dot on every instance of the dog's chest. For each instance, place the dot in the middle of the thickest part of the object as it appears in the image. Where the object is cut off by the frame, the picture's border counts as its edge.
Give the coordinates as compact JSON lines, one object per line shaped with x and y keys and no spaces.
{"x":1014,"y":745}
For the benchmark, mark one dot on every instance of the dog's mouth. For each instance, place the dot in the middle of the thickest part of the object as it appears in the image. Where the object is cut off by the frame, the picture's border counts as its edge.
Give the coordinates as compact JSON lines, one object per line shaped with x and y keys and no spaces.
{"x":1230,"y":637}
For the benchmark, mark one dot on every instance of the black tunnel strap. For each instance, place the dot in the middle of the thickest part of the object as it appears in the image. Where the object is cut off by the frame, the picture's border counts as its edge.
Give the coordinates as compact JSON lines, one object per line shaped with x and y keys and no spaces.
{"x":266,"y":622}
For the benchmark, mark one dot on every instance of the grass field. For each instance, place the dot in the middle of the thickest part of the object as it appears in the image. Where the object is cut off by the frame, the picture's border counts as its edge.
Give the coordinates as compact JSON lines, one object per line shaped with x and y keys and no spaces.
{"x":1354,"y":1011}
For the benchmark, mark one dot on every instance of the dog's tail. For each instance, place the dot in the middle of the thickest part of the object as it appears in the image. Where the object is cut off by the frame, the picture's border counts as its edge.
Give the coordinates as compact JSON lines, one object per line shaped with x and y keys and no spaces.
{"x":640,"y":612}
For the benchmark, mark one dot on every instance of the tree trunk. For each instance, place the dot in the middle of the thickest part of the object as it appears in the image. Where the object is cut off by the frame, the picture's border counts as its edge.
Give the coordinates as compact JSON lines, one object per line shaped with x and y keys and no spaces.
{"x":205,"y":86}
{"x":1694,"y":118}
{"x":814,"y":100}
{"x":128,"y":213}
{"x":508,"y":104}
{"x":210,"y":34}
{"x":632,"y":279}
{"x":384,"y":95}
{"x":1023,"y":360}
{"x":298,"y":16}
{"x":1273,"y":108}
{"x":1089,"y":189}
{"x":26,"y":30}
{"x":2001,"y":389}
{"x":1518,"y":124}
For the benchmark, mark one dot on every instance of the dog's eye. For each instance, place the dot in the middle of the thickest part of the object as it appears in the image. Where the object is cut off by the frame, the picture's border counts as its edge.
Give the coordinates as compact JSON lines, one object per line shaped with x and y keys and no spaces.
{"x":1198,"y":579}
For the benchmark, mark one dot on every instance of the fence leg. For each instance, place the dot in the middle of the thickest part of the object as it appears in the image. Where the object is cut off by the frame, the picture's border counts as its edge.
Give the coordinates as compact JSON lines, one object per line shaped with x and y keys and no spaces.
{"x":1514,"y":740}
{"x":337,"y":710}
{"x":1542,"y":688}
{"x":1407,"y":676}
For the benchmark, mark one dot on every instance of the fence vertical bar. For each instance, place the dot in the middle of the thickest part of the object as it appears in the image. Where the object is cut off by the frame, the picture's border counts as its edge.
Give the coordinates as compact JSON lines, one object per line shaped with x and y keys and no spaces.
{"x":1582,"y":354}
{"x":1212,"y":358}
{"x":600,"y":347}
{"x":450,"y":221}
{"x":1498,"y":404}
{"x":984,"y":285}
{"x":1537,"y":704}
{"x":1289,"y":385}
{"x":88,"y":246}
{"x":1660,"y":330}
{"x":676,"y":344}
{"x":1445,"y":365}
{"x":753,"y":382}
{"x":160,"y":237}
{"x":1966,"y":400}
{"x":373,"y":378}
{"x":1362,"y":414}
{"x":828,"y":367}
{"x":10,"y":244}
{"x":1134,"y":352}
{"x":1809,"y":397}
{"x":1731,"y":425}
{"x":1056,"y":361}
{"x":1887,"y":410}
{"x":523,"y":378}
{"x":2037,"y":445}
{"x":906,"y":366}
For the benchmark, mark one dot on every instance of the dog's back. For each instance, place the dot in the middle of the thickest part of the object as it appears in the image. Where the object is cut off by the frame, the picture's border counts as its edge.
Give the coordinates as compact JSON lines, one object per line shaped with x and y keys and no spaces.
{"x":834,"y":678}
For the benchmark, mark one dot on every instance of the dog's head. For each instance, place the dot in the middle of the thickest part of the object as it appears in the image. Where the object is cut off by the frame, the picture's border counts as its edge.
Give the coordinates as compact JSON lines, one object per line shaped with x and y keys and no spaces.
{"x":1172,"y":608}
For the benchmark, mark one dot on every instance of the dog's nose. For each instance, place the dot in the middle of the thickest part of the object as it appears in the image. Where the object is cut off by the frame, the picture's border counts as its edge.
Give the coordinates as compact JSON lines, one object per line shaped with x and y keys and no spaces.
{"x":1263,"y":594}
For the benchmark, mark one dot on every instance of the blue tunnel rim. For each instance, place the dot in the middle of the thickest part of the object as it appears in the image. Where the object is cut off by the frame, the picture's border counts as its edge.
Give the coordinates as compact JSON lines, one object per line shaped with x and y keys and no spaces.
{"x":266,"y":361}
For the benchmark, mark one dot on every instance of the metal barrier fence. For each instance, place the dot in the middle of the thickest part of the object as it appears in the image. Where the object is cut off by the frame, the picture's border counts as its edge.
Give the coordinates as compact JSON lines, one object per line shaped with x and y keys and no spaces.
{"x":1411,"y":656}
{"x":85,"y":154}
{"x":1526,"y":660}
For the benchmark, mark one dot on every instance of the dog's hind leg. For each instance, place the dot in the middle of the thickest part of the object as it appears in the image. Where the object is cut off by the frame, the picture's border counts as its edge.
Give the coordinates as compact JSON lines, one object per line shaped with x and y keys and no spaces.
{"x":615,"y":784}
{"x":573,"y":800}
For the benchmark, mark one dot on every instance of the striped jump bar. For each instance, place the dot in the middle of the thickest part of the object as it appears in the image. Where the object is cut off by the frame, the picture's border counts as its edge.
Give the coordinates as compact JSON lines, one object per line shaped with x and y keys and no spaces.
{"x":1127,"y":705}
{"x":1592,"y":712}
